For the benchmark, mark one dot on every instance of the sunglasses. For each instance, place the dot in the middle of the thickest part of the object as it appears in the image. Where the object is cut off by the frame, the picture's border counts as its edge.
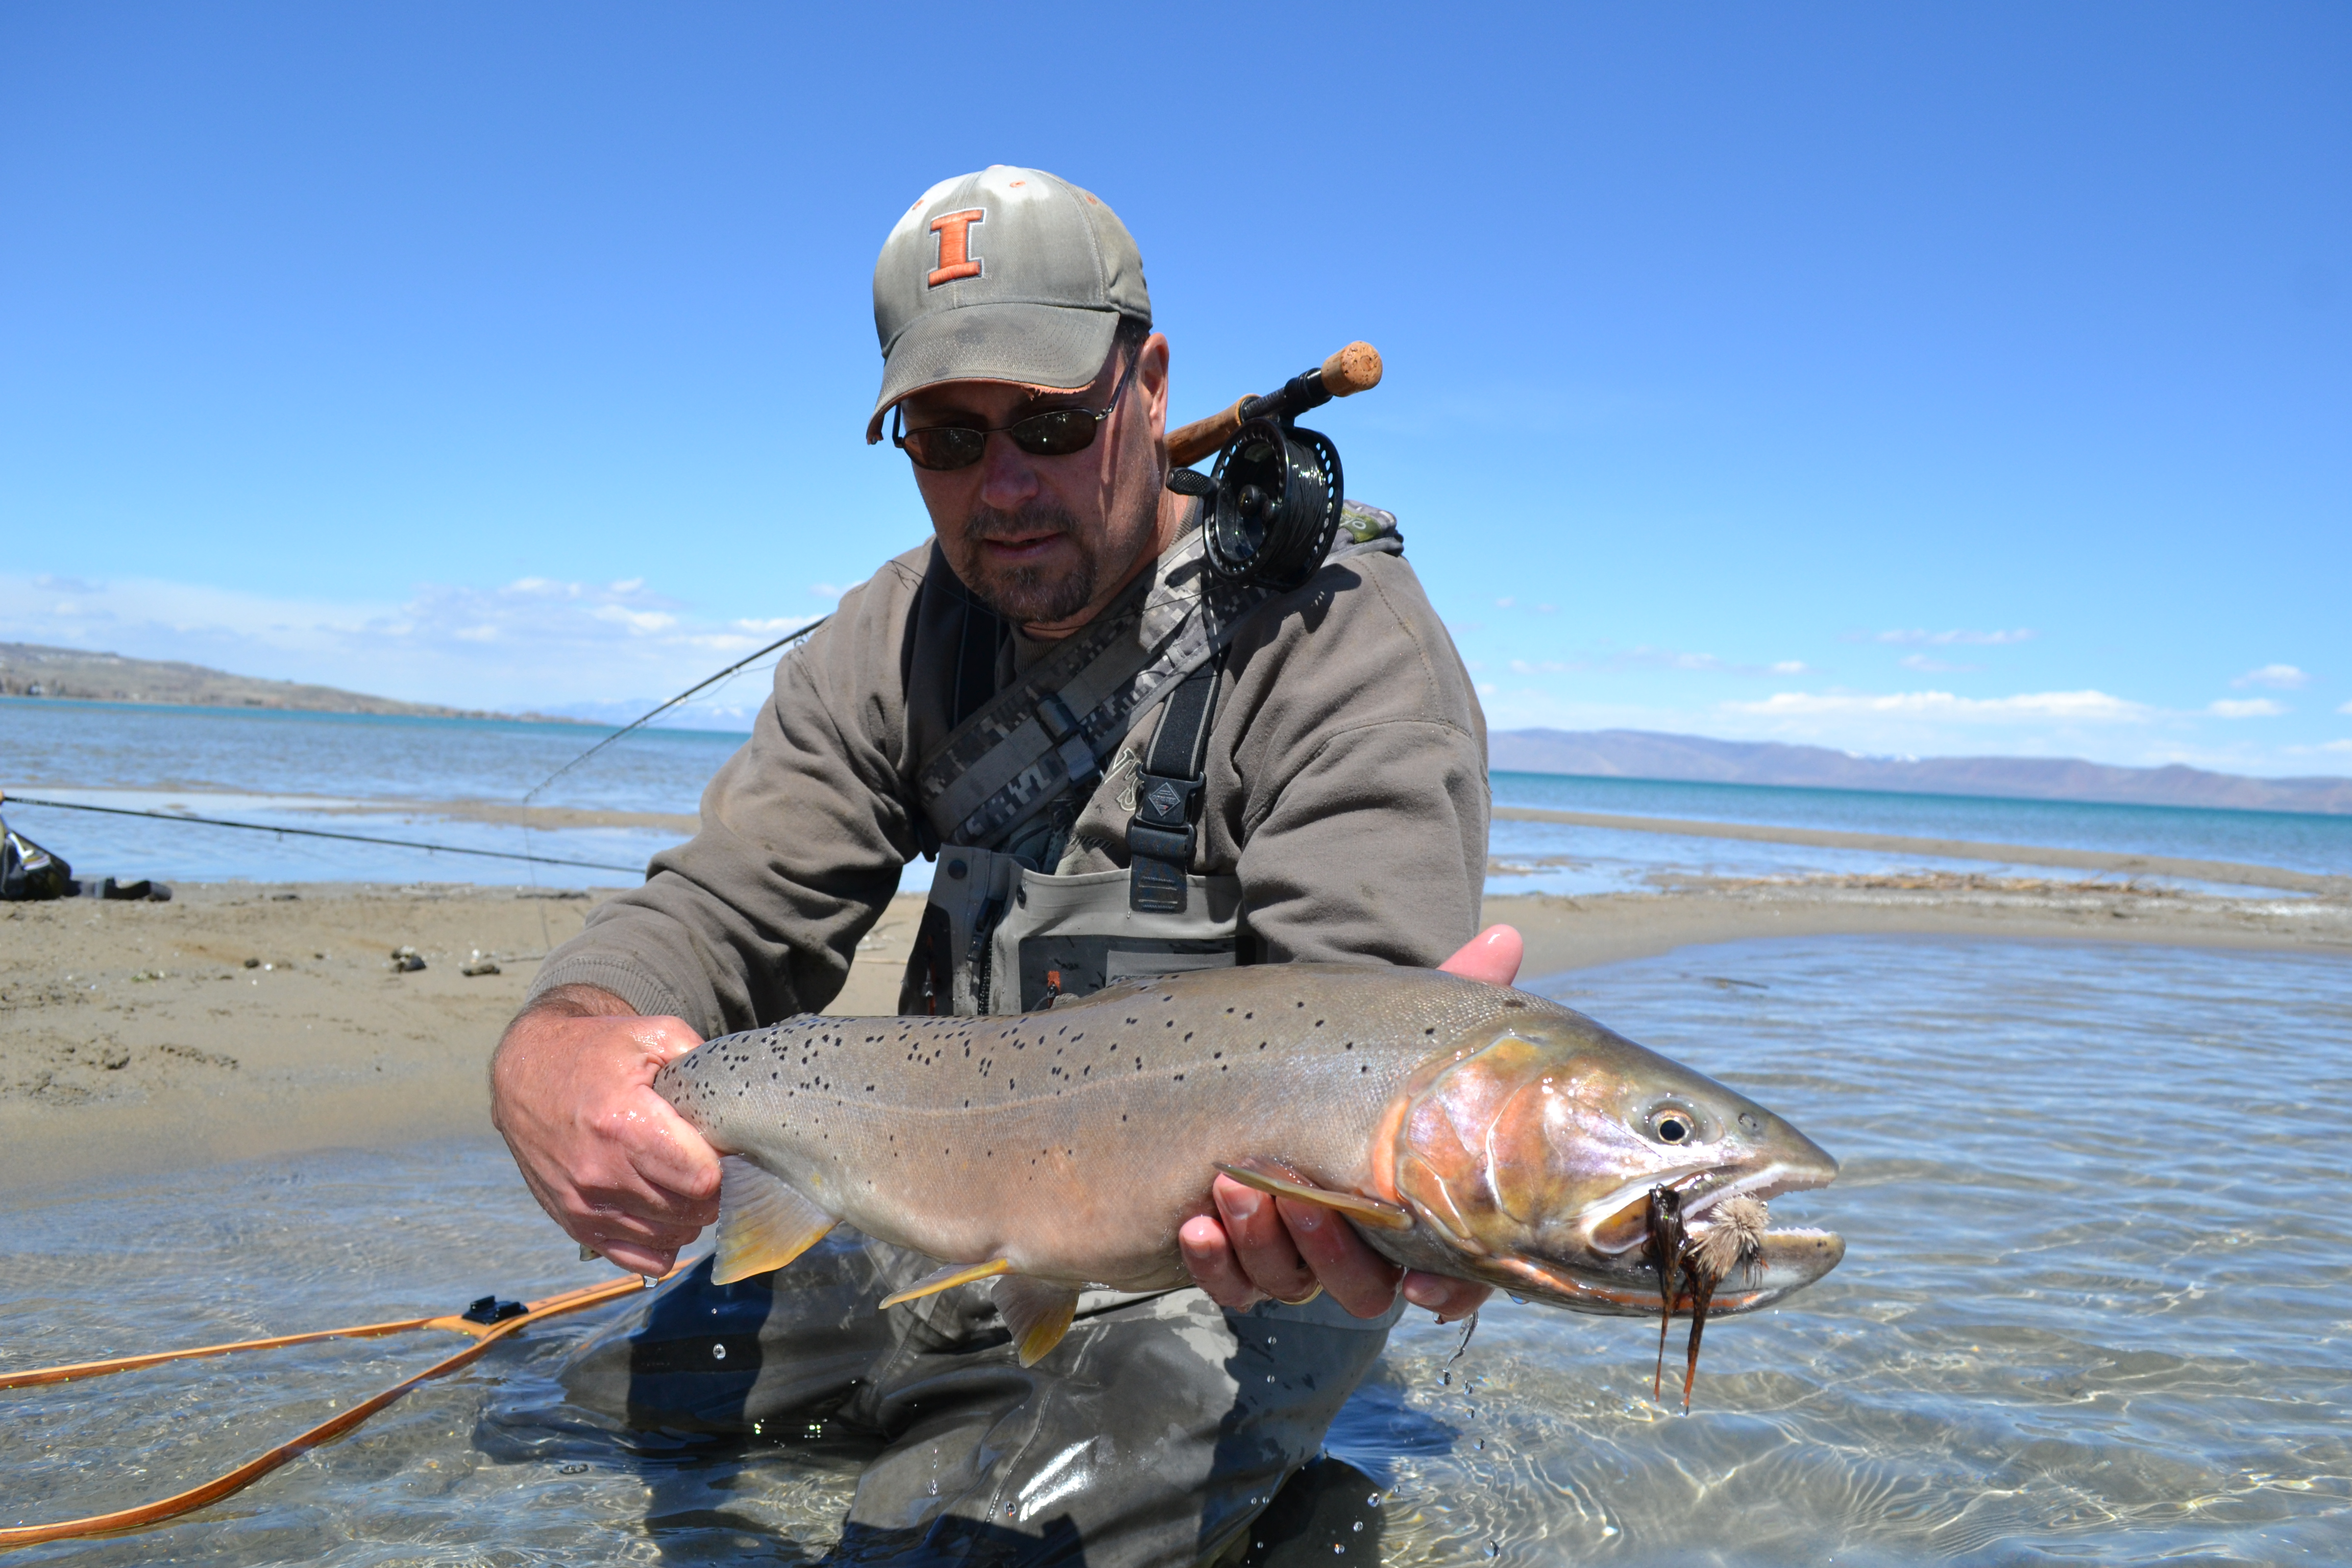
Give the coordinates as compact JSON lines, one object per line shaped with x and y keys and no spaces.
{"x":1056,"y":433}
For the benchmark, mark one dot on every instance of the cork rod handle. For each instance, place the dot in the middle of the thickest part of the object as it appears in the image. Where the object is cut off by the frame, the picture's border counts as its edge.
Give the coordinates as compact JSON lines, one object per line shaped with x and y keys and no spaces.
{"x":1355,"y":368}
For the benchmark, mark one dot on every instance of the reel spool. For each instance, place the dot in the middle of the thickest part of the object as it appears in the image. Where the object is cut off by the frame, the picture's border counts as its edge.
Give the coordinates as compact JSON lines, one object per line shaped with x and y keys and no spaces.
{"x":1274,"y":503}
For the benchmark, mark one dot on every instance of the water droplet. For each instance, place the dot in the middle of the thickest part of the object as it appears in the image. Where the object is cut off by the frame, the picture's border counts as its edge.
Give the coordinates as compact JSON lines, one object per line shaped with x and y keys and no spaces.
{"x":1359,"y":1524}
{"x":718,"y":1353}
{"x":1269,"y":1377}
{"x":1522,"y":1300}
{"x":1482,"y":1445}
{"x":1373,"y":1500}
{"x":1446,"y":1378}
{"x":1337,"y":1548}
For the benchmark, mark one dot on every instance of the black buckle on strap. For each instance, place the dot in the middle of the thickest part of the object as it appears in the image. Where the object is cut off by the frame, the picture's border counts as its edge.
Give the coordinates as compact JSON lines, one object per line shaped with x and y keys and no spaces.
{"x":1061,"y":727}
{"x":1159,"y":844}
{"x":1162,"y":802}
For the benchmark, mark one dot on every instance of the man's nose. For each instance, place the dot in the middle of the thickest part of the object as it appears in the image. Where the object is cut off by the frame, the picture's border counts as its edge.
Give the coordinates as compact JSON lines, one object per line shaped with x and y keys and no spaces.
{"x":1008,"y":476}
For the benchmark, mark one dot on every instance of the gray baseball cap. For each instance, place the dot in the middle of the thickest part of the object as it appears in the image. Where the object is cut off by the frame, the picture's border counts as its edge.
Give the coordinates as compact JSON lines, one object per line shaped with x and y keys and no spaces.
{"x":1005,"y":275}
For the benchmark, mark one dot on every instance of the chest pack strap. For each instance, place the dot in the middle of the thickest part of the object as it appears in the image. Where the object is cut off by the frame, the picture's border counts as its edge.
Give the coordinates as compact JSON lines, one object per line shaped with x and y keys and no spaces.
{"x":1049,"y":731}
{"x":1169,"y":785}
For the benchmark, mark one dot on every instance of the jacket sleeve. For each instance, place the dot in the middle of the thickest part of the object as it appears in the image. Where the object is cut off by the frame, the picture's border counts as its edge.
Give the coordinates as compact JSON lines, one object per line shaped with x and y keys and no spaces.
{"x":803,"y":835}
{"x":1355,"y":801}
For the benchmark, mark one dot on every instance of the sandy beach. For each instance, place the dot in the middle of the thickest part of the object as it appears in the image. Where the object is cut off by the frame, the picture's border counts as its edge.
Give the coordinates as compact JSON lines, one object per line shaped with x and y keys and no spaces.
{"x":240,"y":1021}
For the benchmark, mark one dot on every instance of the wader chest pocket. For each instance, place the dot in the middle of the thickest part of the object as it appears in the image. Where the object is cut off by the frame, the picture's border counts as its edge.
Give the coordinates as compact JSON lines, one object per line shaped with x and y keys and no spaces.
{"x":1071,"y":936}
{"x":1054,"y":967}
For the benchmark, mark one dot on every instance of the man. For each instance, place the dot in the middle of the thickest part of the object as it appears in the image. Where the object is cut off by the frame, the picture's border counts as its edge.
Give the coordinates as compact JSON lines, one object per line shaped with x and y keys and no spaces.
{"x":1014,"y":697}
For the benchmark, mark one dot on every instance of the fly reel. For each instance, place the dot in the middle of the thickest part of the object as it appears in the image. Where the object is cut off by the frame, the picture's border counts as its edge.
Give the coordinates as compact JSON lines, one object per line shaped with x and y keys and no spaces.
{"x":1273,"y":501}
{"x":1274,"y":507}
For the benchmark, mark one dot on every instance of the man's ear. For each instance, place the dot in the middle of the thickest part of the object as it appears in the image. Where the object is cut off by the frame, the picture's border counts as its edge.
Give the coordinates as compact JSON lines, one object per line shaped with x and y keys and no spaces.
{"x":1151,"y":380}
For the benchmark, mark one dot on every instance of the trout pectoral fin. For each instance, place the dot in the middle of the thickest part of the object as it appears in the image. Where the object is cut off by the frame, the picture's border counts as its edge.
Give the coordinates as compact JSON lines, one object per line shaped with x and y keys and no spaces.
{"x":948,"y":1278}
{"x":1268,"y":1176}
{"x":1037,"y":1311}
{"x":764,"y":1222}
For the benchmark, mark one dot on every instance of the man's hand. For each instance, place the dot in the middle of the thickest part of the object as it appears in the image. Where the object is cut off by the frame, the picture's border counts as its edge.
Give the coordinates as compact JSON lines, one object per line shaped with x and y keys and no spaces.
{"x":1285,"y":1248}
{"x":572,"y":1091}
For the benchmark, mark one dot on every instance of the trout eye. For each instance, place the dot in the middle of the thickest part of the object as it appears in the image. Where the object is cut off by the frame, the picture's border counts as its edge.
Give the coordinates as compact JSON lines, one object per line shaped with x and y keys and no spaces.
{"x":1672,"y":1125}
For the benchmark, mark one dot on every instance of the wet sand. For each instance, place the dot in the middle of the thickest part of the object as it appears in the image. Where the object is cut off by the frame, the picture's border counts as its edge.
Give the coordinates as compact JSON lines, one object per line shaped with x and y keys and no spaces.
{"x":137,"y":1038}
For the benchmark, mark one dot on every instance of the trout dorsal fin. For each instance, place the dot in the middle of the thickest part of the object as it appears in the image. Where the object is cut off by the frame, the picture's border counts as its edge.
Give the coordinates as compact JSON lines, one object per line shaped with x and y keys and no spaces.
{"x":1271,"y":1176}
{"x":763,"y":1223}
{"x":1037,"y":1311}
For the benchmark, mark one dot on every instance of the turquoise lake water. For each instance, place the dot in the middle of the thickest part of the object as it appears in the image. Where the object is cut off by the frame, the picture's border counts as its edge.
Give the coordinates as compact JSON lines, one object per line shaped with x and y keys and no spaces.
{"x":277,"y":768}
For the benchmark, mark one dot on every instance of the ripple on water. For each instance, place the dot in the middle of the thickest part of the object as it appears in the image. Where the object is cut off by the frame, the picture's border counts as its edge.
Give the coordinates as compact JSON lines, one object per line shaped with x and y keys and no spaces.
{"x":2092,"y":1308}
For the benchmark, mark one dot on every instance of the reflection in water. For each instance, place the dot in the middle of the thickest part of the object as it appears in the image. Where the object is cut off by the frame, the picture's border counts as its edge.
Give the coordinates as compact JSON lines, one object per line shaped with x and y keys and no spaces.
{"x":2097,"y":1260}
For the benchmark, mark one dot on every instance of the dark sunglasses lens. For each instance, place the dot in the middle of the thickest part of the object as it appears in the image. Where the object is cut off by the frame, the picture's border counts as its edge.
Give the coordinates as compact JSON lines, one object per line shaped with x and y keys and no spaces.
{"x":1056,"y":434}
{"x":945,"y":447}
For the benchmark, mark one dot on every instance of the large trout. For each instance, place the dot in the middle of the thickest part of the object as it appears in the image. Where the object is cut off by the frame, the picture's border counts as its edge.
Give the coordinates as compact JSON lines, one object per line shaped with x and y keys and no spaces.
{"x":1464,"y":1129}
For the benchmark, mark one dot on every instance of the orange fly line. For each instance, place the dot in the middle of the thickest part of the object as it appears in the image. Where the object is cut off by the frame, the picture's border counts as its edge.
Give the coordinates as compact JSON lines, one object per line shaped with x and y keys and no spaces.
{"x":484,"y":1336}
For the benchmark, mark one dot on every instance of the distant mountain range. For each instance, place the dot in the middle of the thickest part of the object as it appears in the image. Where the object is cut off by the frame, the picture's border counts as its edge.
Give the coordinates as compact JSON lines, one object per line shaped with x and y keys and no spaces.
{"x":29,"y":670}
{"x":1691,"y":758}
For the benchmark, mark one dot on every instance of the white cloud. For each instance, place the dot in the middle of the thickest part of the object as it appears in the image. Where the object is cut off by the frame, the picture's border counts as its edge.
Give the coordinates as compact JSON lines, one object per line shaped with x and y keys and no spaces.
{"x":2249,"y":708}
{"x":2092,"y":706}
{"x":2278,"y":677}
{"x":1926,"y":666}
{"x":1791,"y":666}
{"x":636,"y":620}
{"x":827,"y":589}
{"x":2345,"y":709}
{"x":2023,"y":633}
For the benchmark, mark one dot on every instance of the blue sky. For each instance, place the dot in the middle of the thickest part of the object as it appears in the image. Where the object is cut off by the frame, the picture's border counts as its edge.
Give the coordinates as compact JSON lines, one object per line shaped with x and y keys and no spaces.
{"x":1921,"y":379}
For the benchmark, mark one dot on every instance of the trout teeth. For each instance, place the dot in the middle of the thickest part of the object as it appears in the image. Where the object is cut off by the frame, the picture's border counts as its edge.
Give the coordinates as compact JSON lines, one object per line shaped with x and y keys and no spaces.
{"x":1732,"y":1234}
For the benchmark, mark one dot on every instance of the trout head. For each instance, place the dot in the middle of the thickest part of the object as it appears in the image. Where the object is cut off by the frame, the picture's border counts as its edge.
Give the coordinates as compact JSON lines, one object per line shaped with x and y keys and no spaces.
{"x":1529,"y":1152}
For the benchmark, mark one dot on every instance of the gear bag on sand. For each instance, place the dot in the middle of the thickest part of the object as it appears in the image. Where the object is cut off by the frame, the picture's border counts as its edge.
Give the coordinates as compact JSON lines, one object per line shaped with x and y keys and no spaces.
{"x":29,"y":872}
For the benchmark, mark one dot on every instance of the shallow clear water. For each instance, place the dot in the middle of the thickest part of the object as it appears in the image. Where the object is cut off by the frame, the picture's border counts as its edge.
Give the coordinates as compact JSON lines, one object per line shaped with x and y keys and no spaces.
{"x":2094,"y":1310}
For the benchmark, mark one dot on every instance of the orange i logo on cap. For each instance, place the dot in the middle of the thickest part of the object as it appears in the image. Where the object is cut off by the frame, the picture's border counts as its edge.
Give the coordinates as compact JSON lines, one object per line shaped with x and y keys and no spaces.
{"x":956,"y":259}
